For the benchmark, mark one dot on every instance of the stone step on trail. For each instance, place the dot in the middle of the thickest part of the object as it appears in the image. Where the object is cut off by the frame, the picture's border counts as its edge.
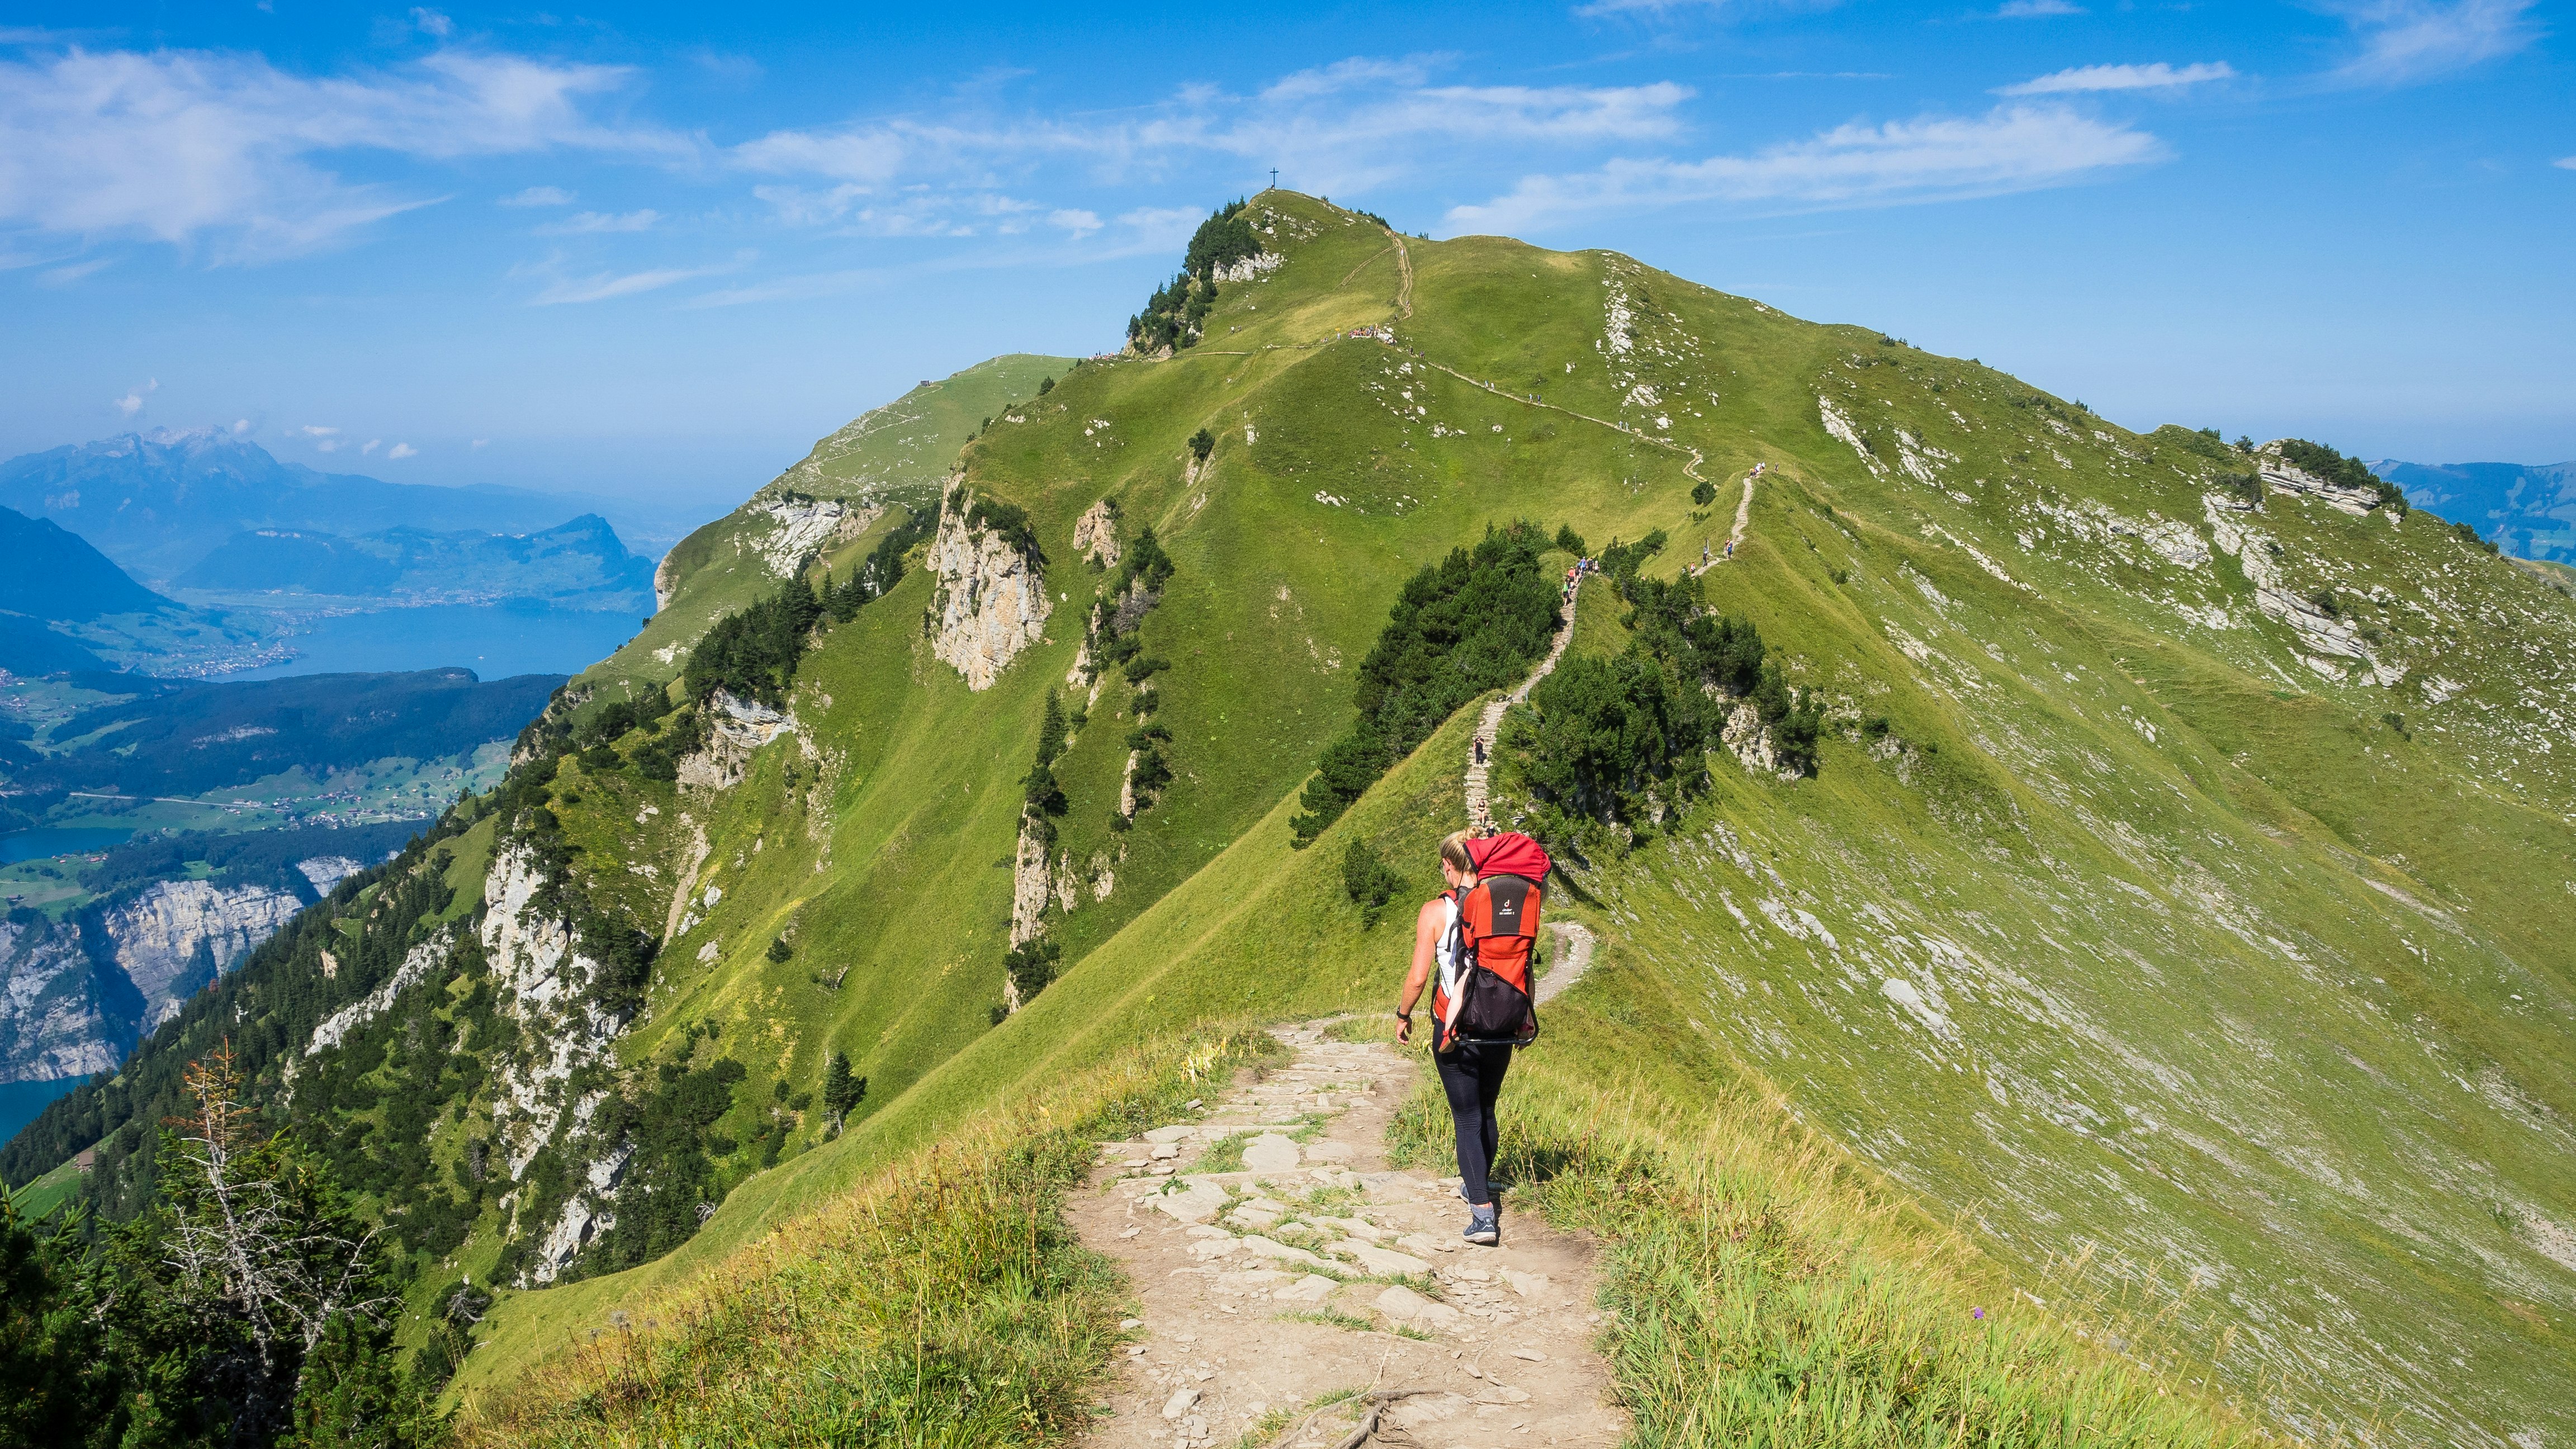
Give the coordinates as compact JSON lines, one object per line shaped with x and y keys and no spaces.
{"x":1321,"y":1269}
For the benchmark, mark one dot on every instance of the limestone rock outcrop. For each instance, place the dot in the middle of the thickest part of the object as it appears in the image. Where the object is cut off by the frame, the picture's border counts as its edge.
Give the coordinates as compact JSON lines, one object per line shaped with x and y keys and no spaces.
{"x":178,"y":935}
{"x":53,"y":1020}
{"x":991,"y":602}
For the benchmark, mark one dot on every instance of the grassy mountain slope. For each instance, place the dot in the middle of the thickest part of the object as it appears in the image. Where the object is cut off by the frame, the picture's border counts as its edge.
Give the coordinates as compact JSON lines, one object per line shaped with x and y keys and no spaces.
{"x":2173,"y":896}
{"x":2144,"y":871}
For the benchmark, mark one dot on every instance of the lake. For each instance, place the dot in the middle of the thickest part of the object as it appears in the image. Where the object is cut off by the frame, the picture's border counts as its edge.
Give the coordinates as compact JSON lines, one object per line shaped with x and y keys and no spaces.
{"x":21,"y":1101}
{"x":18,"y":845}
{"x":496,"y":641}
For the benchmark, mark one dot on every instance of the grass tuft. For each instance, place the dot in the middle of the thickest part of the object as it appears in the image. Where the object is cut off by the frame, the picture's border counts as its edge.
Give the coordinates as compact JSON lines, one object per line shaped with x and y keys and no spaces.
{"x":1759,"y":1292}
{"x":943,"y":1302}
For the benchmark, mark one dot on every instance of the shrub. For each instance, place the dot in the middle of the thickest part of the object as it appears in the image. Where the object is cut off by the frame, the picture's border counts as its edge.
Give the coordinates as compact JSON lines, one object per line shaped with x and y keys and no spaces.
{"x":1569,"y":540}
{"x":1704,"y":493}
{"x":1202,"y":443}
{"x":1031,"y":965}
{"x":1476,"y":621}
{"x":2348,"y":472}
{"x":1369,"y":881}
{"x":1608,"y":730}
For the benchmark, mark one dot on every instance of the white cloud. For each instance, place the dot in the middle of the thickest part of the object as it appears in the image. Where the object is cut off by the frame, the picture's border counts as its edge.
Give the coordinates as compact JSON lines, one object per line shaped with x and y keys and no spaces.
{"x":2565,"y":163}
{"x":539,"y":196}
{"x":603,"y":286}
{"x":2403,"y":41}
{"x":593,"y":221}
{"x":132,"y":402}
{"x":1342,"y":127}
{"x":2012,"y":148}
{"x":195,"y":147}
{"x":316,"y":430}
{"x":431,"y":22}
{"x":401,"y":450}
{"x":1078,"y":224}
{"x":2159,"y":76}
{"x":241,"y":427}
{"x":372,"y":445}
{"x":480,"y":444}
{"x":2037,"y":9}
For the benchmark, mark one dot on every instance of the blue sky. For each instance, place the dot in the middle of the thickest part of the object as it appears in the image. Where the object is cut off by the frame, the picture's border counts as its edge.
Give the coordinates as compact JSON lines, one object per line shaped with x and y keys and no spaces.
{"x":656,"y":252}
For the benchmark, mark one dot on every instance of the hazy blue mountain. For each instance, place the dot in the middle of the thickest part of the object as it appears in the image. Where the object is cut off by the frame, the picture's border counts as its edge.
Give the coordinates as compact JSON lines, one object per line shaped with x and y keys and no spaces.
{"x":2526,"y":509}
{"x":580,"y":563}
{"x":159,"y":502}
{"x":52,"y":574}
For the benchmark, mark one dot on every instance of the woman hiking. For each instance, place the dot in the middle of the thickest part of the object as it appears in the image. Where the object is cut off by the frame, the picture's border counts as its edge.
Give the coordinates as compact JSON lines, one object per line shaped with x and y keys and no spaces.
{"x":1476,"y":936}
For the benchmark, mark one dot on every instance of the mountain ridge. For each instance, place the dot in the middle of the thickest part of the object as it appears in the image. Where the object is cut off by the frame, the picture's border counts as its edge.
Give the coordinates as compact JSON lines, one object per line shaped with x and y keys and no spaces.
{"x":2171,"y":891}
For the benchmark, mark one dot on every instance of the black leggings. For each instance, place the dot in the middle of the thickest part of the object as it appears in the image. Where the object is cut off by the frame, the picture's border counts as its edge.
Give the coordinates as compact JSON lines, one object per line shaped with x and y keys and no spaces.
{"x":1473,"y":1077}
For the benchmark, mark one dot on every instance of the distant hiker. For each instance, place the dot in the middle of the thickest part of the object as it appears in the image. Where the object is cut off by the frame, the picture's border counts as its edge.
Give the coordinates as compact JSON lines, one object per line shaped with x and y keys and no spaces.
{"x":1478,"y":934}
{"x":1730,"y":548}
{"x":1480,"y":749}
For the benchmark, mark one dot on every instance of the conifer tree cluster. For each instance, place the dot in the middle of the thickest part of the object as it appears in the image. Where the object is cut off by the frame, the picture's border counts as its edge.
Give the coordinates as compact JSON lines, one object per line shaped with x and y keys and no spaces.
{"x":1175,"y":313}
{"x":1478,"y":620}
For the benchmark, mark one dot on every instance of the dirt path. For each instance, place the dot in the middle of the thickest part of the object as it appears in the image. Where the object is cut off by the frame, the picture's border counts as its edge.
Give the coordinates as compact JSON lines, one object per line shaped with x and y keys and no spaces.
{"x":1743,"y":520}
{"x":1273,"y":1287}
{"x":1404,"y":268}
{"x":1480,"y":748}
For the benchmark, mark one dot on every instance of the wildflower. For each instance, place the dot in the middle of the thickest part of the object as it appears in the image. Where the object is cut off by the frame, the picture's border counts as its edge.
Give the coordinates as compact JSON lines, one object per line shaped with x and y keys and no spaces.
{"x":1976,"y":1313}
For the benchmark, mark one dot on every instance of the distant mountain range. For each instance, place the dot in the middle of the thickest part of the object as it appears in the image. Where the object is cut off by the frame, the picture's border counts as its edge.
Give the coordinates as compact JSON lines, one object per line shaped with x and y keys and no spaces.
{"x":2526,"y":509}
{"x":160,"y":503}
{"x":578,"y":564}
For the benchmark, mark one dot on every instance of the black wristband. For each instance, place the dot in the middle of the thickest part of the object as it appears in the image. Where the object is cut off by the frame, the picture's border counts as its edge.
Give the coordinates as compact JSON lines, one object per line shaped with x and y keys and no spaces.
{"x":1404,"y":1016}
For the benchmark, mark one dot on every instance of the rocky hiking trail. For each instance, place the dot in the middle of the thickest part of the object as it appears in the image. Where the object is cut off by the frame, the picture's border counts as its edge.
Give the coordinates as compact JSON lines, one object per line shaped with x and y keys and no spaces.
{"x":1313,"y":1284}
{"x":1480,"y":747}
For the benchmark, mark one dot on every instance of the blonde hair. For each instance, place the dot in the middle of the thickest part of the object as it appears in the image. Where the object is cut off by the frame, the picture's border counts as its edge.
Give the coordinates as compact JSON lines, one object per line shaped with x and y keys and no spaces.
{"x":1453,"y":851}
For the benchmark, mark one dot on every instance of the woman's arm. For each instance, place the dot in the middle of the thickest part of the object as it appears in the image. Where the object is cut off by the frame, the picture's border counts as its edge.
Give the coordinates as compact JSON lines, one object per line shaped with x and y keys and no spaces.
{"x":1427,"y":926}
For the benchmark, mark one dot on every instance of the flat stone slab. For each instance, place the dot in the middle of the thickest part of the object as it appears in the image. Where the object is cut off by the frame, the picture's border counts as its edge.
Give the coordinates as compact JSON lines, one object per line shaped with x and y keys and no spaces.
{"x":1172,"y":1134}
{"x":1269,"y":1152}
{"x":1197,"y":1203}
{"x":1262,"y":1247}
{"x":1381,"y":1261}
{"x":1406,"y":1306}
{"x":1313,"y":1288}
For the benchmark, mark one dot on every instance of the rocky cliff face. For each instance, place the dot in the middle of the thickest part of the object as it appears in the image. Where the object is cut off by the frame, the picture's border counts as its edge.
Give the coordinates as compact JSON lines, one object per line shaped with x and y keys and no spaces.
{"x":181,"y":934}
{"x":991,"y":604}
{"x":53,"y":1020}
{"x":544,"y":985}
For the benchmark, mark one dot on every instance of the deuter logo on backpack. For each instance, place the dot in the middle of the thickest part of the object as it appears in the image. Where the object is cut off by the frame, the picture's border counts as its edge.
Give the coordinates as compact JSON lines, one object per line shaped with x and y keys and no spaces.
{"x":1484,"y":996}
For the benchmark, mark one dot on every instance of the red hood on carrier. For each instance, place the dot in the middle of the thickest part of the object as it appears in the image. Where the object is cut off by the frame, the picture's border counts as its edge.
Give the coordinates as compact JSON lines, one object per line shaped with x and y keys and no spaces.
{"x":1510,"y":853}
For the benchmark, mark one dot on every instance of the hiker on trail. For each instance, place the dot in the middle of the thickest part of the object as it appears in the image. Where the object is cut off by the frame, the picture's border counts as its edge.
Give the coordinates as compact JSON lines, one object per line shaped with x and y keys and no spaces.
{"x":1477,"y":936}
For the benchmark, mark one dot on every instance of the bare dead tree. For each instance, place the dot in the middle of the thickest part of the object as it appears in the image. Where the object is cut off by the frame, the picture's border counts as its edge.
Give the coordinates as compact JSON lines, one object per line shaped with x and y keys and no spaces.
{"x":251,"y":1225}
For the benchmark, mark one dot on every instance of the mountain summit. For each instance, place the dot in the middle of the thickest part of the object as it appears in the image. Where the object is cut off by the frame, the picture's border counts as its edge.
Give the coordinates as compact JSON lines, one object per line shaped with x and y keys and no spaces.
{"x":2085,"y":904}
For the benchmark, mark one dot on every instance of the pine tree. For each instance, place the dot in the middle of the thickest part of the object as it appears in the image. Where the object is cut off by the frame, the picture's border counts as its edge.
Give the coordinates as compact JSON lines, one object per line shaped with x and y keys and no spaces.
{"x":841,"y":1091}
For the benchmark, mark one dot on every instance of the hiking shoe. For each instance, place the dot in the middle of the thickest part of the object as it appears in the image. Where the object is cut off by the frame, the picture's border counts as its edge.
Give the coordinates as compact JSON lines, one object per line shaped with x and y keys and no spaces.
{"x":1482,"y":1227}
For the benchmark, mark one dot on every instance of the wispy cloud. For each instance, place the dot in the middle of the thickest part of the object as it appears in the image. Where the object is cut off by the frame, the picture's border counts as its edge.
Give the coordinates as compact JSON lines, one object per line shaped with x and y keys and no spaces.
{"x":597,"y":221}
{"x":64,"y":276}
{"x":198,"y":147}
{"x":2015,"y":148}
{"x":539,"y":196}
{"x":401,"y":450}
{"x":1075,"y":223}
{"x":2565,"y":163}
{"x":2037,"y":9}
{"x":1341,"y":127}
{"x":2159,"y":76}
{"x":602,"y":286}
{"x":2405,"y":41}
{"x":132,"y":402}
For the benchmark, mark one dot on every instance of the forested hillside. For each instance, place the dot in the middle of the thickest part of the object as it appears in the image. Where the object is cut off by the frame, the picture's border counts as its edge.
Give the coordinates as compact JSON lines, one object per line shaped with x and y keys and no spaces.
{"x":2119,"y":868}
